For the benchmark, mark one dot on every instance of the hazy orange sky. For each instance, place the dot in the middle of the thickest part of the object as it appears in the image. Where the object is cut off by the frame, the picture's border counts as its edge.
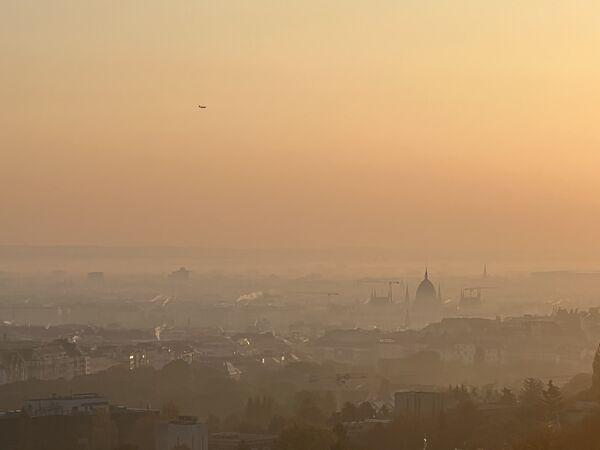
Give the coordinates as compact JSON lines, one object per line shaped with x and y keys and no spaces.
{"x":436,"y":123}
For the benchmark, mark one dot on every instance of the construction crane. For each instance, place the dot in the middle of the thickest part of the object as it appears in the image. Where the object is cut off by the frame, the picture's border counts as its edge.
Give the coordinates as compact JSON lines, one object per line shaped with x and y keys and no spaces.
{"x":328,"y":294}
{"x":390,"y":283}
{"x":395,"y":280}
{"x":390,"y":293}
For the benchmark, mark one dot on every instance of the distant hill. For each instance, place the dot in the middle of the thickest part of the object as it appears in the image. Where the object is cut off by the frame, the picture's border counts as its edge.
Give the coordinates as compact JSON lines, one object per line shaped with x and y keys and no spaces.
{"x":577,"y":385}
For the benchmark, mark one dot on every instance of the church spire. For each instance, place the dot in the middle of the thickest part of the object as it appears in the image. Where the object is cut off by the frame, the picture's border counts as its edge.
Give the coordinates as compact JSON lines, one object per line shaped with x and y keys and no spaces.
{"x":426,"y":273}
{"x":406,"y":308}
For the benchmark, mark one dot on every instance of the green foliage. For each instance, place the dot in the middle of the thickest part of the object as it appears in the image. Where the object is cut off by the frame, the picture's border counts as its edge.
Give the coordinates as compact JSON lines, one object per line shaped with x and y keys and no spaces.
{"x":314,"y":407}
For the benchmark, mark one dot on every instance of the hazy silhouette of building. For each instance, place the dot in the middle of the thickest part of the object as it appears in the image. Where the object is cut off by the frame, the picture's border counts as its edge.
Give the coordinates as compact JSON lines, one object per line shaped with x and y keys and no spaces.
{"x":181,"y":274}
{"x":66,"y":405}
{"x":426,"y":297}
{"x":185,"y":431}
{"x":235,"y":441}
{"x":96,"y":277}
{"x":407,"y":308}
{"x":89,"y":421}
{"x":376,"y":300}
{"x":424,"y":405}
{"x":42,"y":361}
{"x":470,"y":298}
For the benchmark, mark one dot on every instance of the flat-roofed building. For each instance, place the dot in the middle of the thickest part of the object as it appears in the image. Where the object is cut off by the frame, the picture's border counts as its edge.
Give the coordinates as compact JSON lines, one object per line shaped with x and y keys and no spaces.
{"x":420,"y":404}
{"x":185,"y":431}
{"x":88,"y":403}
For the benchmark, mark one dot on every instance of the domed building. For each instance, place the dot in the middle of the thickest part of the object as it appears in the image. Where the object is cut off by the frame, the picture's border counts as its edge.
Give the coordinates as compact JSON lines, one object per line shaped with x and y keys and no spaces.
{"x":426,"y":298}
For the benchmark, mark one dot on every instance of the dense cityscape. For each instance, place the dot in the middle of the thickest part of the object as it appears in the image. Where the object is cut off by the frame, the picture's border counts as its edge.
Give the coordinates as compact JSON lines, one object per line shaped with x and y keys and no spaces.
{"x":299,"y":225}
{"x":207,"y":360}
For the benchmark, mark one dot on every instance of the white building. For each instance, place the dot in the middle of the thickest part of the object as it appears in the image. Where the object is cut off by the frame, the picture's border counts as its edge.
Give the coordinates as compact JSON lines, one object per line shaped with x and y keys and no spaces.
{"x":186,"y":430}
{"x":65,"y":406}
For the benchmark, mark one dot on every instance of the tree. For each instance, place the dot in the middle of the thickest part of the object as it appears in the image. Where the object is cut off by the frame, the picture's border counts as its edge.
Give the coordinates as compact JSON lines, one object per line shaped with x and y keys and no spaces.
{"x":460,"y":393}
{"x":366,"y":411}
{"x":552,"y":399}
{"x":490,"y":394}
{"x":341,"y":437}
{"x":507,"y":397}
{"x":349,"y":412}
{"x":313,"y":407}
{"x":258,"y":411}
{"x":250,"y":410}
{"x":531,"y":400}
{"x":265,"y":411}
{"x":475,"y":394}
{"x":532,"y":392}
{"x":384,"y":412}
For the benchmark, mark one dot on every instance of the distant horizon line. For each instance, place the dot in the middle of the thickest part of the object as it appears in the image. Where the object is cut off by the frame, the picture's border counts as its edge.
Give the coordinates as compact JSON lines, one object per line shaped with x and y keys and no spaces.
{"x":411,"y":255}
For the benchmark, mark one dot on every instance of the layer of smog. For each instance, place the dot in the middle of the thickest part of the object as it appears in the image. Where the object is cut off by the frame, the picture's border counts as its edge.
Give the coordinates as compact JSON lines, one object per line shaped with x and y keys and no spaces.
{"x":267,"y":345}
{"x":299,"y":225}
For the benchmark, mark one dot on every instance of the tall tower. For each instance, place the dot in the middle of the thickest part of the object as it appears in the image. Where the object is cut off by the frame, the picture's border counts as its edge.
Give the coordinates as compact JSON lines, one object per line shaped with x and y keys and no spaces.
{"x":407,"y":308}
{"x":426,"y":297}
